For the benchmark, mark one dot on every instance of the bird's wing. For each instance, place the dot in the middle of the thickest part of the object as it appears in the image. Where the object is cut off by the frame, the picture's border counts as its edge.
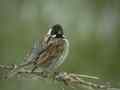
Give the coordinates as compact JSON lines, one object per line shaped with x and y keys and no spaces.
{"x":53,"y":50}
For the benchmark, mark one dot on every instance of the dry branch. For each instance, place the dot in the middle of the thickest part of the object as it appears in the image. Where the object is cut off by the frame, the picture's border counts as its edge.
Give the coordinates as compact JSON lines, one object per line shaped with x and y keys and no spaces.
{"x":69,"y":79}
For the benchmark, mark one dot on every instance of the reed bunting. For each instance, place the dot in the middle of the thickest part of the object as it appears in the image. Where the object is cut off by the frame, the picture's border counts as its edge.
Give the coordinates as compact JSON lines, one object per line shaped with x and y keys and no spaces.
{"x":48,"y":53}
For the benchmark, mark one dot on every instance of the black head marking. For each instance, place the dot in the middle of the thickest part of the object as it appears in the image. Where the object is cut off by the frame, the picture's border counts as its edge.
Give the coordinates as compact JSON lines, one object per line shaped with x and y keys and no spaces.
{"x":56,"y":31}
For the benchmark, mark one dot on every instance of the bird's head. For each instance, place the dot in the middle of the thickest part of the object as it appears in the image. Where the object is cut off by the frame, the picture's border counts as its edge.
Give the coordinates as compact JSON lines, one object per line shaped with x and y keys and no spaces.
{"x":56,"y":31}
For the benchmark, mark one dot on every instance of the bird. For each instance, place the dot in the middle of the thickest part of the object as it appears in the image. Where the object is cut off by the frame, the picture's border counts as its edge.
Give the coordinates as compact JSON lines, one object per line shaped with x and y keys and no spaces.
{"x":48,"y":53}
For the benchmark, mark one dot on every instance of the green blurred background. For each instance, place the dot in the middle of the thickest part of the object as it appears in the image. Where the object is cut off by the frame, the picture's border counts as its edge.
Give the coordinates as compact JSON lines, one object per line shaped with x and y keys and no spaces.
{"x":92,"y":27}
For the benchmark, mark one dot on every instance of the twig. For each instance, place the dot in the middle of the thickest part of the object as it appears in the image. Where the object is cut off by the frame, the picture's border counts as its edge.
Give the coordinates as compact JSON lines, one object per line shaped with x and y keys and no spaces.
{"x":76,"y":79}
{"x":69,"y":79}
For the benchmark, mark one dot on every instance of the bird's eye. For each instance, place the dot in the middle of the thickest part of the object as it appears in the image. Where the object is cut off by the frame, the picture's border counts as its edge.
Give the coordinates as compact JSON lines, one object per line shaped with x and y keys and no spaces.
{"x":54,"y":32}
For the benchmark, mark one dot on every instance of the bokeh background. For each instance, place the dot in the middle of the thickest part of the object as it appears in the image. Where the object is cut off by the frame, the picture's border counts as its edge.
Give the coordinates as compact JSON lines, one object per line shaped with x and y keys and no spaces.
{"x":92,"y":27}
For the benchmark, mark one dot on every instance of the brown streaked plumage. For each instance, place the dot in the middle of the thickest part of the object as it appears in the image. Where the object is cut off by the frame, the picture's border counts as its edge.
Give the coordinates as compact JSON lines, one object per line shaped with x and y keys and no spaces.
{"x":49,"y":53}
{"x":54,"y":51}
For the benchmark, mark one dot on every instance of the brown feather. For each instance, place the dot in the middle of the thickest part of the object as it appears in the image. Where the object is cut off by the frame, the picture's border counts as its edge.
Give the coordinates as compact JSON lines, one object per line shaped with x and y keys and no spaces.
{"x":55,"y":48}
